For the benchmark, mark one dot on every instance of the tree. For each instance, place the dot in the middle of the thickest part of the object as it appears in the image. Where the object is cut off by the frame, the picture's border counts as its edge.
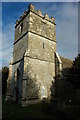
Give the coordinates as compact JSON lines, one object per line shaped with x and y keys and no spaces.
{"x":5,"y":71}
{"x":76,"y":65}
{"x":75,"y":73}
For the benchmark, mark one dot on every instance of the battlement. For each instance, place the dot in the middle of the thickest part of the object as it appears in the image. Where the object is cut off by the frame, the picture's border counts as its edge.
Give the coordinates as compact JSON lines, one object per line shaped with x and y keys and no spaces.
{"x":31,"y":8}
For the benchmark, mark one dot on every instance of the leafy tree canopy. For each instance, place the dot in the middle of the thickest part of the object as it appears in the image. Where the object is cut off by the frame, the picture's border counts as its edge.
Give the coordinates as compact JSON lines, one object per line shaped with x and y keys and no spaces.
{"x":75,"y":73}
{"x":5,"y":71}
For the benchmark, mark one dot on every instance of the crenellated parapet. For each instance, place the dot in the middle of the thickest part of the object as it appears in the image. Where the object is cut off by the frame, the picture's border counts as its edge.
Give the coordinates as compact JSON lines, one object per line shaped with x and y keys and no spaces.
{"x":31,"y":8}
{"x":21,"y":17}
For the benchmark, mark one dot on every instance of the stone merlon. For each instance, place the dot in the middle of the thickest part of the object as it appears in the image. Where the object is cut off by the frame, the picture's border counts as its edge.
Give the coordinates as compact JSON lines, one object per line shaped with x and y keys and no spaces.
{"x":31,"y":8}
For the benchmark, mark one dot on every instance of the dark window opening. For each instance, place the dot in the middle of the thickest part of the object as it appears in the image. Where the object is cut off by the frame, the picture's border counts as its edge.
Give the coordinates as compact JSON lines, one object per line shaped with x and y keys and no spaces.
{"x":21,"y":28}
{"x":43,"y":45}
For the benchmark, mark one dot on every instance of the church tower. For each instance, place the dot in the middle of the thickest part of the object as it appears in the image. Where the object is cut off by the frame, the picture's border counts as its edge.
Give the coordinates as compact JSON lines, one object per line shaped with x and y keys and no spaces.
{"x":33,"y":65}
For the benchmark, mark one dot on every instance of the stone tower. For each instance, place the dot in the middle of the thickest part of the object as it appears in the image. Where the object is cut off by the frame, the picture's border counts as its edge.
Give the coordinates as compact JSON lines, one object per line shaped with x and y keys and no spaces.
{"x":32,"y":69}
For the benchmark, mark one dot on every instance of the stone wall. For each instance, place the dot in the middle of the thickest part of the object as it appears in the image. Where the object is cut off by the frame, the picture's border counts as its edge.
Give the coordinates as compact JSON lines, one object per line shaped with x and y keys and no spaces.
{"x":8,"y":91}
{"x":34,"y":21}
{"x":40,"y":75}
{"x":41,"y":48}
{"x":41,"y":25}
{"x":19,"y":48}
{"x":18,"y":77}
{"x":25,"y":22}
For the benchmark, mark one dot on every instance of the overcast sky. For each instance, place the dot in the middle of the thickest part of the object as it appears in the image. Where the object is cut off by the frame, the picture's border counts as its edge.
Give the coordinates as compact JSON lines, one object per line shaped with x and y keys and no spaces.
{"x":66,"y":17}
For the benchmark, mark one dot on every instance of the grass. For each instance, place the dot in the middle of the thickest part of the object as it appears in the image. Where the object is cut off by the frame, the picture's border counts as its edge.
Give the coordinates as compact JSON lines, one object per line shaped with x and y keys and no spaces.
{"x":13,"y":111}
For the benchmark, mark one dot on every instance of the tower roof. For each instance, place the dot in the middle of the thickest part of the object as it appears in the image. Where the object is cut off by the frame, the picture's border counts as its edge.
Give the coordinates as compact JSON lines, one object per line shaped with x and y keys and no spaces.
{"x":31,"y":8}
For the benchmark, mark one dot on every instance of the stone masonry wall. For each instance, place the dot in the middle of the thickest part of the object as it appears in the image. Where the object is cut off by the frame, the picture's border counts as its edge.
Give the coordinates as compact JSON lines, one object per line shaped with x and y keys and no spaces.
{"x":34,"y":22}
{"x":41,"y":48}
{"x":39,"y":74}
{"x":19,"y":48}
{"x":41,"y":26}
{"x":25,"y":22}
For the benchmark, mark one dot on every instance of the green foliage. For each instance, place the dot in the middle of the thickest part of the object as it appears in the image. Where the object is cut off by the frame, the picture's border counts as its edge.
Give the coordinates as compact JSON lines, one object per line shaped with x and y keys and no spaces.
{"x":76,"y":65}
{"x":5,"y":71}
{"x":75,"y":73}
